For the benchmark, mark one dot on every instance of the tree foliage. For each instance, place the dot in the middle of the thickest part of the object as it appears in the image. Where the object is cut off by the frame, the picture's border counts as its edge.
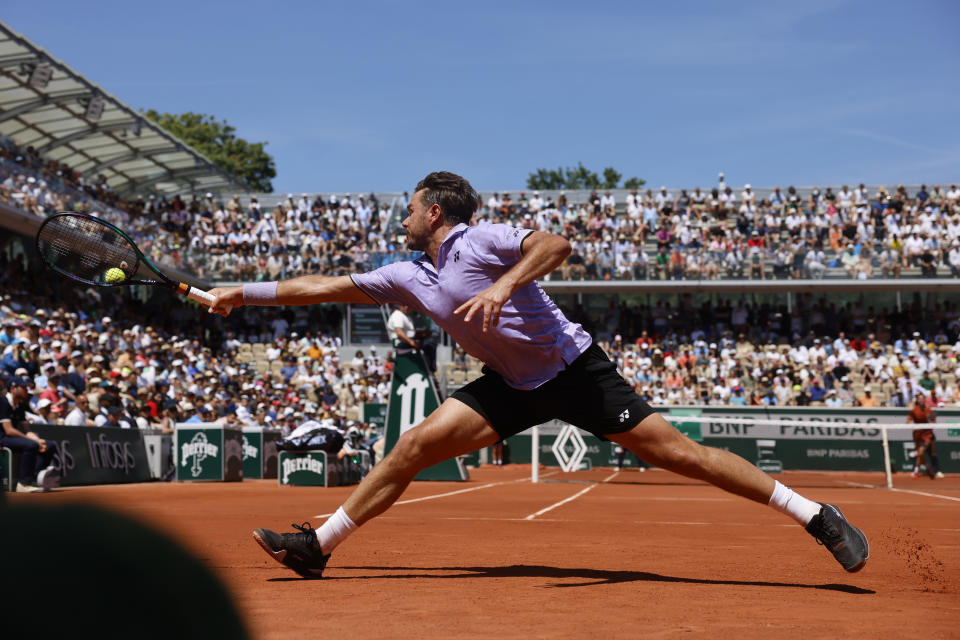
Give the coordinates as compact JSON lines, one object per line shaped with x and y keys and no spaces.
{"x":579,"y":177}
{"x":218,"y":141}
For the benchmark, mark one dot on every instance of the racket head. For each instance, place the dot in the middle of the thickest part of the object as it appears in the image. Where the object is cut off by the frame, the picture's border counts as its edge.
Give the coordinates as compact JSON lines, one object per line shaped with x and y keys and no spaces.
{"x":85,"y":248}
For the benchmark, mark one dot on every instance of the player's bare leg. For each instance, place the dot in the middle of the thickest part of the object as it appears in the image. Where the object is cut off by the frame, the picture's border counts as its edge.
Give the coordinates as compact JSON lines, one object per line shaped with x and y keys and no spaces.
{"x":658,"y":442}
{"x":453,"y":429}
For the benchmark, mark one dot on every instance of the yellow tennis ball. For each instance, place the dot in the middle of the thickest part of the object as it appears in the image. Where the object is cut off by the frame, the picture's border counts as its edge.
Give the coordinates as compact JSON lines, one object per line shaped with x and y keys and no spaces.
{"x":114,"y":275}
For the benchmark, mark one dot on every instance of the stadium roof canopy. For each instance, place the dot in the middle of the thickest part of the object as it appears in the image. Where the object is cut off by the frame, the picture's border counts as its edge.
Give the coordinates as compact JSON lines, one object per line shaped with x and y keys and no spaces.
{"x":67,"y":118}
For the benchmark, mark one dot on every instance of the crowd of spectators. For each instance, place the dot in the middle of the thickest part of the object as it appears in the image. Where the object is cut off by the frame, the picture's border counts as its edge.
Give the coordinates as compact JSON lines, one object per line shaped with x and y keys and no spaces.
{"x":211,"y":238}
{"x":690,"y":234}
{"x":717,"y":233}
{"x":816,"y":353}
{"x":96,"y":358}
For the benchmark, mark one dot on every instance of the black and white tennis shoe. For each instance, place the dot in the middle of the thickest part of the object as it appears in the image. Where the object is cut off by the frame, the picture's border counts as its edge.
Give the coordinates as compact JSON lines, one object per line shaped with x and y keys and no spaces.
{"x":847,"y":543}
{"x":300,"y":550}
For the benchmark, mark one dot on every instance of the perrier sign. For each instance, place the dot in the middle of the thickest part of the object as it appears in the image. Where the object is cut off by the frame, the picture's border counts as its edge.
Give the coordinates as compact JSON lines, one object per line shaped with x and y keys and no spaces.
{"x":208,"y":452}
{"x":412,"y":399}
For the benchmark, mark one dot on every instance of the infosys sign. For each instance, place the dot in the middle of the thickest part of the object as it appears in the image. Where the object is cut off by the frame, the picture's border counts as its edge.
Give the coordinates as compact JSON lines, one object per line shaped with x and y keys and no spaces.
{"x":97,"y":455}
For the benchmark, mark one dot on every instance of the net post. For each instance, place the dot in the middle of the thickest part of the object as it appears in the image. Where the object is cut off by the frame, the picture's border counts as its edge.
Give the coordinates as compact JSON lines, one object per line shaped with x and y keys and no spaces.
{"x":886,"y":457}
{"x":535,"y":454}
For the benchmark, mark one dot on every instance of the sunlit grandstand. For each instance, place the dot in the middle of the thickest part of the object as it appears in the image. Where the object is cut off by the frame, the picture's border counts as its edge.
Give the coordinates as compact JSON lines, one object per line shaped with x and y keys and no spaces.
{"x":536,"y":398}
{"x":649,"y":275}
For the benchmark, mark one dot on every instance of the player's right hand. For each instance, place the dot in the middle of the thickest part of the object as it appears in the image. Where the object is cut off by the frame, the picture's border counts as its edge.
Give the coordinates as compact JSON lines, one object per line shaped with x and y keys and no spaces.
{"x":226,"y":299}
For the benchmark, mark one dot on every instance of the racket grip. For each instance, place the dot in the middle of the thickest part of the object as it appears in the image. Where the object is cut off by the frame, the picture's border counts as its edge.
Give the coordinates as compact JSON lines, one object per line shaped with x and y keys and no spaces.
{"x":199,"y":295}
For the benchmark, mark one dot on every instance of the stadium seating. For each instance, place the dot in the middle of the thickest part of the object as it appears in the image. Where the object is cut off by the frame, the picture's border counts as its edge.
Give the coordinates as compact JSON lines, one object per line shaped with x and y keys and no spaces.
{"x":617,"y":239}
{"x":342,"y":234}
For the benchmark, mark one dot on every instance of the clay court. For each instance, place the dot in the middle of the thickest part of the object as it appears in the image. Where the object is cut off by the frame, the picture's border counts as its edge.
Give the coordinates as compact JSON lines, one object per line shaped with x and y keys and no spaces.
{"x":634,"y":555}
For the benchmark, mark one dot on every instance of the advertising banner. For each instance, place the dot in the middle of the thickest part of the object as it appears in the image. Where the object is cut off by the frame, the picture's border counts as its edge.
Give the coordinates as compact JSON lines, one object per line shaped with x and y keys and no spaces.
{"x":412,"y":398}
{"x":96,"y":455}
{"x":304,"y":469}
{"x":208,"y":452}
{"x":260,"y":452}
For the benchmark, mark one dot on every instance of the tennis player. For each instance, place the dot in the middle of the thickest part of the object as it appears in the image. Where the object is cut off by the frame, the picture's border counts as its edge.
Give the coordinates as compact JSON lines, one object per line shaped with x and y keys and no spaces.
{"x":479,"y":284}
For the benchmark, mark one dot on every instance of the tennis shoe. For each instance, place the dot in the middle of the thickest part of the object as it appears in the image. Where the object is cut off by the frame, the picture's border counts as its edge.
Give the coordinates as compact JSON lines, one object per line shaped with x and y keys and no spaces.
{"x":300,"y":551}
{"x":847,"y":543}
{"x":23,"y":487}
{"x":939,"y":475}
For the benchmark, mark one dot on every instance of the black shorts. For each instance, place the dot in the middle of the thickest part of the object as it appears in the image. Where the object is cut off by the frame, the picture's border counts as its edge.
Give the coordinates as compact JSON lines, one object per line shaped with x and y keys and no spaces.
{"x":589,"y":394}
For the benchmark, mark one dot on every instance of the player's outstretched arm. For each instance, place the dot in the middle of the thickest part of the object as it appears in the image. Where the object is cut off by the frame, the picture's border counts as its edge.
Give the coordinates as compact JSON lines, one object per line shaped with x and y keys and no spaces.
{"x":296,"y":291}
{"x":542,"y":253}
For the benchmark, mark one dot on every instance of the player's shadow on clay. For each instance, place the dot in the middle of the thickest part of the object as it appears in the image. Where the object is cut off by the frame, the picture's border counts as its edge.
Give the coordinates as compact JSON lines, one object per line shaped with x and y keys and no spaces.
{"x":587,"y":577}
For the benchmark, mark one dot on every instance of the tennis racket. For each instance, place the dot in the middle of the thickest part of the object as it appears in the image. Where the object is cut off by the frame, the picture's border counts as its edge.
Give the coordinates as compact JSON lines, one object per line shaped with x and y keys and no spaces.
{"x":90,"y":250}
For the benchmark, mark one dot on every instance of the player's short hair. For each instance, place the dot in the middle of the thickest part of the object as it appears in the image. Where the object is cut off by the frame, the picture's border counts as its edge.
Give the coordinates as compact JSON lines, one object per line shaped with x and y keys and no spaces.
{"x":456,"y":197}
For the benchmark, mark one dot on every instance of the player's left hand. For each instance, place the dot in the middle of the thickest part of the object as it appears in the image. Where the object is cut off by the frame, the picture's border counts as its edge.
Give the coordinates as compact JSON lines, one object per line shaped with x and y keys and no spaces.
{"x":490,"y":301}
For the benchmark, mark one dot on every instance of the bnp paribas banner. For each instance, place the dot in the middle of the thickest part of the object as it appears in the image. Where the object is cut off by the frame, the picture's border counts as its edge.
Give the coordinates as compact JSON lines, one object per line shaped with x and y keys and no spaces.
{"x":412,"y":398}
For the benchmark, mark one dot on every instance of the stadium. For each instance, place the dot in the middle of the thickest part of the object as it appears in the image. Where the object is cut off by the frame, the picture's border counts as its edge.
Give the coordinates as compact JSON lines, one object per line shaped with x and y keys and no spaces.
{"x":803,"y":330}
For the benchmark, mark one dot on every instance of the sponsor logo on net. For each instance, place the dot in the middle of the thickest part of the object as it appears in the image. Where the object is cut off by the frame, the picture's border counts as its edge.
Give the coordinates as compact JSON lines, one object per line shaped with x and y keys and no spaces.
{"x":196,"y":451}
{"x":305,"y":463}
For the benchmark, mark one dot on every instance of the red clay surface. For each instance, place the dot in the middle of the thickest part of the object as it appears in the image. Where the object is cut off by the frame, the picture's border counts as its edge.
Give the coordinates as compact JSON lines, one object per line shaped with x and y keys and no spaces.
{"x":642,"y":555}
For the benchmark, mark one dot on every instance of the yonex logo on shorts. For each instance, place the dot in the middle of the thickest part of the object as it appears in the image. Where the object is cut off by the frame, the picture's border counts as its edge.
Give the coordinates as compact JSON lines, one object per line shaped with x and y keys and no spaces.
{"x":624,"y":415}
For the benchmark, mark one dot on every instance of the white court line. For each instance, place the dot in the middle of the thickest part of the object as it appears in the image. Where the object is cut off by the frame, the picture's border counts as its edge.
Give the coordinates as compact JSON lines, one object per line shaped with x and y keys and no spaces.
{"x":573,"y":497}
{"x":924,"y":493}
{"x":653,"y":522}
{"x":861,"y":484}
{"x":458,"y":491}
{"x":679,"y":499}
{"x":919,"y":493}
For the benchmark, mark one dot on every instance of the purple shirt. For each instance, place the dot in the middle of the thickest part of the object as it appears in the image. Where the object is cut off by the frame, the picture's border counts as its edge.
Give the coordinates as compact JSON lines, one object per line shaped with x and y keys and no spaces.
{"x":532,"y":342}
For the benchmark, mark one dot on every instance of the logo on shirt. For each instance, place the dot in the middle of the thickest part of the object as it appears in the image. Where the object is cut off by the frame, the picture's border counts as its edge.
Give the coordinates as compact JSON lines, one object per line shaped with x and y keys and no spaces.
{"x":624,"y":415}
{"x":456,"y":257}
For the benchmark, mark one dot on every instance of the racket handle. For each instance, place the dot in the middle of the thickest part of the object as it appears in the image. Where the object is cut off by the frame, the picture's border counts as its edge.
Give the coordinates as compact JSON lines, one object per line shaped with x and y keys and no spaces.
{"x":199,"y":295}
{"x":193,"y":293}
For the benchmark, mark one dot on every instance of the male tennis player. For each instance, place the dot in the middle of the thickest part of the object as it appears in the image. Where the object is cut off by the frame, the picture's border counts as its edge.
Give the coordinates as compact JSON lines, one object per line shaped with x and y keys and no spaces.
{"x":479,"y":284}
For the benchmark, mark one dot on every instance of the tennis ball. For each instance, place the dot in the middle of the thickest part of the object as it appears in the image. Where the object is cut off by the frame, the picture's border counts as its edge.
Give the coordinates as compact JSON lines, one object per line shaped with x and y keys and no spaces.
{"x":114,"y":275}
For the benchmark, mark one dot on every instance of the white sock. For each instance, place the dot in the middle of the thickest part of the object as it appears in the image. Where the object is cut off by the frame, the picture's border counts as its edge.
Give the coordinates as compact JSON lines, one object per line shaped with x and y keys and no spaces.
{"x":335,"y":530}
{"x":786,"y":500}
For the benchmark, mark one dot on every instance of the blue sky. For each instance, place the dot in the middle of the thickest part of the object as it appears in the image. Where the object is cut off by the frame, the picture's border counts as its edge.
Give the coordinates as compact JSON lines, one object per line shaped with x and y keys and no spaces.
{"x":370,"y":96}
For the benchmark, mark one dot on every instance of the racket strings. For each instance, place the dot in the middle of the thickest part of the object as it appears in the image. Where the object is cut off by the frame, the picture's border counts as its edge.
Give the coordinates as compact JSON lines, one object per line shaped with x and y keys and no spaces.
{"x":84,"y":248}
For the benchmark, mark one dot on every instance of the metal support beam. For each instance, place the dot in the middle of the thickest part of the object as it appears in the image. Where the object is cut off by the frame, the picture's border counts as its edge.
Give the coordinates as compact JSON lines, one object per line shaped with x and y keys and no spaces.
{"x":45,"y":100}
{"x":16,"y":61}
{"x":83,"y":133}
{"x":174,"y":175}
{"x":142,"y":153}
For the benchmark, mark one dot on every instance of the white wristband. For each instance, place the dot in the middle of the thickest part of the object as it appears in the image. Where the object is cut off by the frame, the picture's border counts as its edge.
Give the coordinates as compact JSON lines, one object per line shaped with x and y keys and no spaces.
{"x":260,"y":294}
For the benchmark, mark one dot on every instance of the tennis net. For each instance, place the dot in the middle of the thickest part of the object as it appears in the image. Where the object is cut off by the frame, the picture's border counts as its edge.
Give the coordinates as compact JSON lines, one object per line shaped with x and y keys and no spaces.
{"x":874,"y":454}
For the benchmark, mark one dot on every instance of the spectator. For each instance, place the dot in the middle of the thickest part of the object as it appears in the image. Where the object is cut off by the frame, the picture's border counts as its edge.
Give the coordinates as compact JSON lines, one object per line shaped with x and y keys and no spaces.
{"x":867,"y":399}
{"x":79,"y":416}
{"x":36,"y":454}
